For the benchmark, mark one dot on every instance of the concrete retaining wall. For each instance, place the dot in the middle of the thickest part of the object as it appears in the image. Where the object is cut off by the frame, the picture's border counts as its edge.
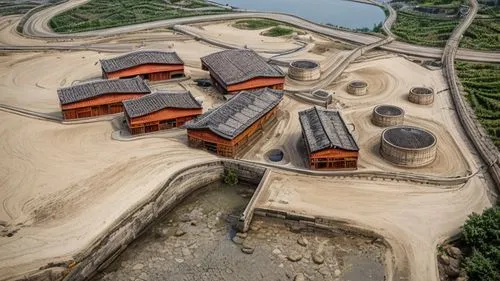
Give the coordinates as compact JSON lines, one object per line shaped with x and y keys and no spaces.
{"x":99,"y":255}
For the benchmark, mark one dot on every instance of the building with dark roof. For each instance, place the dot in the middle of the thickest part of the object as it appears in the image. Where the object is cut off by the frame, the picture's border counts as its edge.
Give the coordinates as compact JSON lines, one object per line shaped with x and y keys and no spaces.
{"x":228,"y":129}
{"x":329,"y":143}
{"x":241,"y":69}
{"x":160,"y":110}
{"x":99,"y":97}
{"x":151,"y":65}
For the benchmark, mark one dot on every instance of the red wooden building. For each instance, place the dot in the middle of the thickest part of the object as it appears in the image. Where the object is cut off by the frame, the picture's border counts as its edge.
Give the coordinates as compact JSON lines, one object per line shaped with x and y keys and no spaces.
{"x":159,"y":111}
{"x":237,"y":70}
{"x":230,"y":128}
{"x":329,"y":143}
{"x":99,"y":97}
{"x":151,"y":65}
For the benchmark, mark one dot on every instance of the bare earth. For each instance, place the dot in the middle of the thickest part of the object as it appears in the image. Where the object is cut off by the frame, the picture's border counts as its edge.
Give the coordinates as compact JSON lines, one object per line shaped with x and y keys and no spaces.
{"x":64,"y":185}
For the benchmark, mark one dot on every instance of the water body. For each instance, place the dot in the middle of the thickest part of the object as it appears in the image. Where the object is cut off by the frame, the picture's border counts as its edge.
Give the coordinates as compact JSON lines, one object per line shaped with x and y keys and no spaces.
{"x":336,"y":12}
{"x":205,"y":249}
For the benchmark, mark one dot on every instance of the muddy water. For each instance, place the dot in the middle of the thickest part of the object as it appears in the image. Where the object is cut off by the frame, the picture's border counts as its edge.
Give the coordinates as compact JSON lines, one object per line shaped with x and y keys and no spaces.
{"x":195,"y":242}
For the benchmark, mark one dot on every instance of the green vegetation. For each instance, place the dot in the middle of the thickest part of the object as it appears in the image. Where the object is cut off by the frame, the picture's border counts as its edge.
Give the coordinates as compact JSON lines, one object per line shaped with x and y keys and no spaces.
{"x":255,"y":24}
{"x":230,"y":177}
{"x":279,"y":31}
{"x":482,"y":235}
{"x":423,"y":30}
{"x":13,"y":7}
{"x":276,"y":28}
{"x":482,"y":84}
{"x":99,"y":14}
{"x":483,"y":34}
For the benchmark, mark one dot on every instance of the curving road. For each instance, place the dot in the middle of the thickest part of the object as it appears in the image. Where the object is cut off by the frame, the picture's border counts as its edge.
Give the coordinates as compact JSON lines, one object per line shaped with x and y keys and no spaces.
{"x":37,"y":26}
{"x":489,"y":153}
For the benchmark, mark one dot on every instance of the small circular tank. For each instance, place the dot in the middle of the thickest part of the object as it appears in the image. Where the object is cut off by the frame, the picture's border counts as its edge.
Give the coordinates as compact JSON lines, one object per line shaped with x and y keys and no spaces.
{"x":357,"y":88}
{"x":387,"y":116}
{"x":421,"y":95}
{"x":304,"y":70}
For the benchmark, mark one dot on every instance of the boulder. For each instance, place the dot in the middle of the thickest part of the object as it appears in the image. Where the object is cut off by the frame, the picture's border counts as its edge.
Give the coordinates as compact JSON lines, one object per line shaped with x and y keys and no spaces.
{"x":454,"y":252}
{"x":318,"y":259}
{"x":179,"y":232}
{"x":302,"y":241}
{"x":299,"y":277}
{"x":453,"y":269}
{"x":242,"y":235}
{"x":294,"y":257}
{"x":247,"y":250}
{"x":237,"y":240}
{"x":444,"y":259}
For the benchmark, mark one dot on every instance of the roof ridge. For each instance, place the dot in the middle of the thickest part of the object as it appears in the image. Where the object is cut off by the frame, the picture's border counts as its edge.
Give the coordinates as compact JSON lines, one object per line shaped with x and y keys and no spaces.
{"x":323,"y":126}
{"x":100,"y":80}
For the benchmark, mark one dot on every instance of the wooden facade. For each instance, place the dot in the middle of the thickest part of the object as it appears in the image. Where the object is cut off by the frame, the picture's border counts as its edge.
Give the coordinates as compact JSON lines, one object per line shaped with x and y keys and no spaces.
{"x":97,"y":106}
{"x":333,"y":159}
{"x":161,"y":120}
{"x":276,"y":83}
{"x":209,"y":141}
{"x":329,"y":143}
{"x":152,"y":72}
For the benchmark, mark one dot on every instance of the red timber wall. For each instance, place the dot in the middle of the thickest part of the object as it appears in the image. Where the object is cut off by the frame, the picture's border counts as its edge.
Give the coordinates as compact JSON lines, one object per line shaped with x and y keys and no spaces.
{"x":333,"y":159}
{"x":152,"y":72}
{"x":277,"y":83}
{"x":161,"y":120}
{"x":101,"y":105}
{"x":206,"y":139}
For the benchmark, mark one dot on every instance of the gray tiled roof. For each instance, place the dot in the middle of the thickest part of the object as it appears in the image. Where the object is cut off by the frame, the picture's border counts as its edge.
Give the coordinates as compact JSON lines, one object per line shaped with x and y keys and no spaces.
{"x":238,"y":65}
{"x":236,"y":115}
{"x":101,"y":87}
{"x":158,"y":101}
{"x":139,"y":58}
{"x":326,"y":129}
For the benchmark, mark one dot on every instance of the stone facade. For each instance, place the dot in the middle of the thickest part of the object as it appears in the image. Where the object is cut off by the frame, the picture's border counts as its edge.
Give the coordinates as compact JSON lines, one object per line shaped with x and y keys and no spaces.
{"x":304,"y":70}
{"x":421,"y":95}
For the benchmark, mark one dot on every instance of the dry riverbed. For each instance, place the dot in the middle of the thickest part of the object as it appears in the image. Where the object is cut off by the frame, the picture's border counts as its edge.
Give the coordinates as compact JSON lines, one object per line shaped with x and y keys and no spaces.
{"x":196,"y":242}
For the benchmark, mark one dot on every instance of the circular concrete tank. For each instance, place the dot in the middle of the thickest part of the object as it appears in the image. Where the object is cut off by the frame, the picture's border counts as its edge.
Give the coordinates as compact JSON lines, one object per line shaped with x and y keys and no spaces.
{"x":421,"y":95}
{"x":387,"y":115}
{"x":408,"y":146}
{"x":357,"y":88}
{"x":304,"y":70}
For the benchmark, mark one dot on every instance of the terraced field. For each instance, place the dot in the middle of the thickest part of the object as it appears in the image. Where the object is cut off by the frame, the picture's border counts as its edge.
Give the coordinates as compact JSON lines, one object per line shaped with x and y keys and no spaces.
{"x":483,"y":34}
{"x":482,"y":84}
{"x":421,"y":30}
{"x":16,"y":7}
{"x":99,"y":14}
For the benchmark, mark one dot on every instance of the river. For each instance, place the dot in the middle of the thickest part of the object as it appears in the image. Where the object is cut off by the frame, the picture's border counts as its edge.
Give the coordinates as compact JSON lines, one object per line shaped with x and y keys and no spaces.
{"x":347,"y":14}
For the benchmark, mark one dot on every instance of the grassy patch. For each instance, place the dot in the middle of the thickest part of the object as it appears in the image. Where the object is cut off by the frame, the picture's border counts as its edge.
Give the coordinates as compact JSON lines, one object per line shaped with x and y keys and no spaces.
{"x":481,"y":81}
{"x":99,"y":14}
{"x":279,"y":31}
{"x":255,"y":24}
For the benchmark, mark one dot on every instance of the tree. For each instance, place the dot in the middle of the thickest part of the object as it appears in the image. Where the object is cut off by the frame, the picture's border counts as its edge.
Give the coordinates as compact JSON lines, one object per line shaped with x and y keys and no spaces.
{"x":481,"y":268}
{"x":230,"y":177}
{"x":482,"y":234}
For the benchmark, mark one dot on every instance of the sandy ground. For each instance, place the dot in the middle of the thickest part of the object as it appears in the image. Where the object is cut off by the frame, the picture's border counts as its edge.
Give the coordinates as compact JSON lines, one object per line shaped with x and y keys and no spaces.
{"x":412,"y":218}
{"x":389,"y":80}
{"x":63,"y":186}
